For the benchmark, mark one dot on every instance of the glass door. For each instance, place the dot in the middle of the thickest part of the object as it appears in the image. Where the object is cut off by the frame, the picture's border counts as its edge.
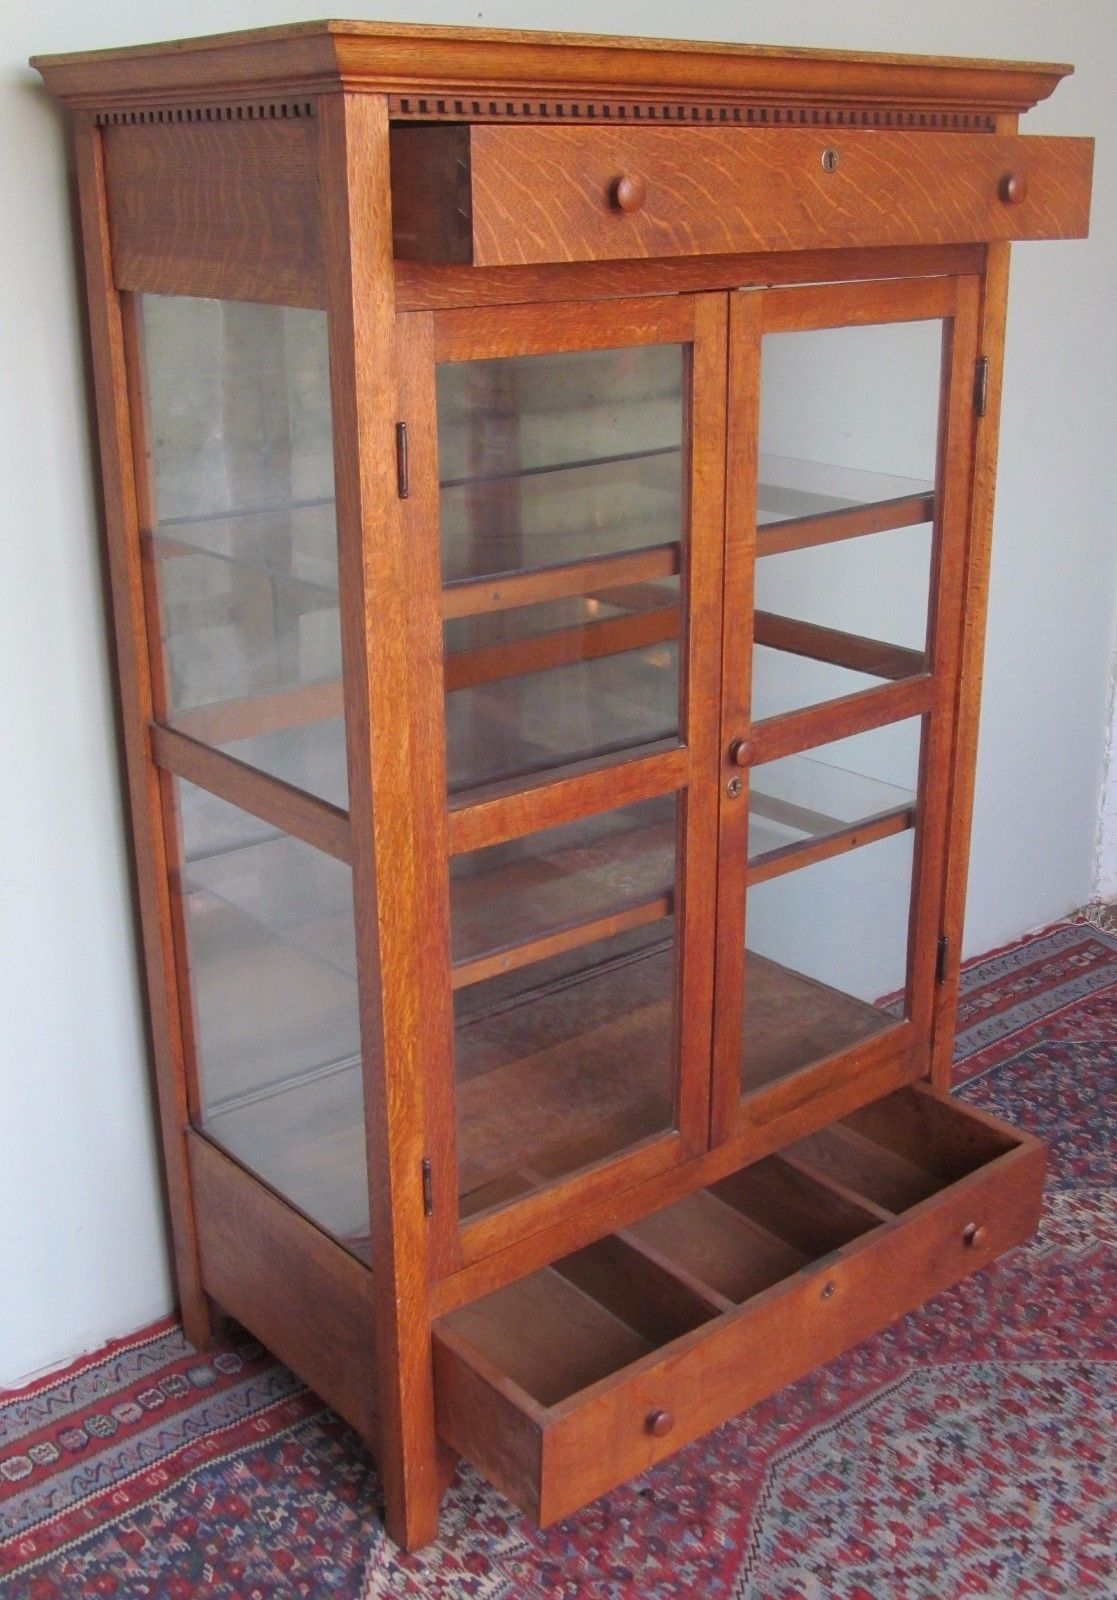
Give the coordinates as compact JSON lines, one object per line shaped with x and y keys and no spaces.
{"x":846,"y":517}
{"x":572,"y":473}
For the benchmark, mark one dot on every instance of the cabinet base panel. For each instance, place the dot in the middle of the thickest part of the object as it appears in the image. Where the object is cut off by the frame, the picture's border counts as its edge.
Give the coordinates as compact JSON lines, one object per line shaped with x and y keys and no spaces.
{"x":303,"y":1296}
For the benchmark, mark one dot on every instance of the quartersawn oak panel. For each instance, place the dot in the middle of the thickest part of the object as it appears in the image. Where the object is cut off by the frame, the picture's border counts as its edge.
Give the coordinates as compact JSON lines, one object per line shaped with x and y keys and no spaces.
{"x":497,"y":196}
{"x":303,"y":1296}
{"x":305,"y":57}
{"x":228,"y":209}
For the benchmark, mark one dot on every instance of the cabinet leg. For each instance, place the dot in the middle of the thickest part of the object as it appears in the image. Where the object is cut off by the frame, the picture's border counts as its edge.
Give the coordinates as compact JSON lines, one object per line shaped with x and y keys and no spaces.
{"x":448,"y":1459}
{"x":411,"y":1521}
{"x":201,"y":1320}
{"x":411,"y":1506}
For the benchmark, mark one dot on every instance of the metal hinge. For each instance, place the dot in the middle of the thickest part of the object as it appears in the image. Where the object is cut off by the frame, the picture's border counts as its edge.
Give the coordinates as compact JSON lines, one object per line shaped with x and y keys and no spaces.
{"x":428,"y":1201}
{"x":981,"y":385}
{"x":940,"y":959}
{"x":403,"y":485}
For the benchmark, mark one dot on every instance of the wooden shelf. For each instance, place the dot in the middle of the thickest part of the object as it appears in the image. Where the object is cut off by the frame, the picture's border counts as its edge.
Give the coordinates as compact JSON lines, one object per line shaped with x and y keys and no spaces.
{"x":791,"y":1021}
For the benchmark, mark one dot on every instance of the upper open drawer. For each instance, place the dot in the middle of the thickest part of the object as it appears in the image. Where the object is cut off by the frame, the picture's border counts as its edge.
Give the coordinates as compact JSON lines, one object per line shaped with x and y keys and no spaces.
{"x":495,"y":196}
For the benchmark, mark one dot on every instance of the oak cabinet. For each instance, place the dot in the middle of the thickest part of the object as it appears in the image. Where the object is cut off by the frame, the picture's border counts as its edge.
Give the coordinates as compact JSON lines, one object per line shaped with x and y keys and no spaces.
{"x":548,"y":485}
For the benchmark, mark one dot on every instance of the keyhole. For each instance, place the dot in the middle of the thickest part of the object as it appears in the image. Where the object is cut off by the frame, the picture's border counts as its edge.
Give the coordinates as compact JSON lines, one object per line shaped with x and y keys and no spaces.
{"x":829,"y":159}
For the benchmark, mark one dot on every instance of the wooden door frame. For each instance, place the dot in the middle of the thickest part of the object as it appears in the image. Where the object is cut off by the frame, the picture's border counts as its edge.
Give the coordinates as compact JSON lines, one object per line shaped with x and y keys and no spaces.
{"x":511,"y":810}
{"x":903,"y":1052}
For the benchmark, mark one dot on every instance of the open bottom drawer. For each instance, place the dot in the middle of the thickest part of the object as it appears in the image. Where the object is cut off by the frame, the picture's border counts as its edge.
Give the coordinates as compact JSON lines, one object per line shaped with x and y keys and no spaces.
{"x":566,"y":1382}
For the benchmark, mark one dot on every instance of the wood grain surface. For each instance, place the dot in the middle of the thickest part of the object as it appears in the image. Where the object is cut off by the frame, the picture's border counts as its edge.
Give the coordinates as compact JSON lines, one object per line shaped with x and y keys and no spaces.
{"x":541,"y":194}
{"x":379,"y":56}
{"x":558,"y":1396}
{"x":217,"y":208}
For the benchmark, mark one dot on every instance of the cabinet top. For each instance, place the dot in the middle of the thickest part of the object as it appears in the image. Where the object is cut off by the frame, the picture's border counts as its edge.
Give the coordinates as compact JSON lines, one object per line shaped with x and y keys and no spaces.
{"x":486,"y":74}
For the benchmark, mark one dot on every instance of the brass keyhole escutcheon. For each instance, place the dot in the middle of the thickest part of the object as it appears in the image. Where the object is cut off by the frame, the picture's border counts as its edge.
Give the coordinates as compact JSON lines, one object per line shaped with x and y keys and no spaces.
{"x":733,"y":788}
{"x":830,"y":159}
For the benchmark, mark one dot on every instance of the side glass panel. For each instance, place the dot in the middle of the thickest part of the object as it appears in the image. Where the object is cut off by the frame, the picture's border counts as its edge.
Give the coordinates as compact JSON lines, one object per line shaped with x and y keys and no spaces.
{"x":243,"y":541}
{"x":563,"y":519}
{"x":561,"y":507}
{"x":270,"y":952}
{"x":848,"y":455}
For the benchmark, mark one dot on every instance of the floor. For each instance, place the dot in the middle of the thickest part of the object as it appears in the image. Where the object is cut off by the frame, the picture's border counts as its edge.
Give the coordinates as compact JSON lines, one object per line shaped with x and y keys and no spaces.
{"x":966,"y":1451}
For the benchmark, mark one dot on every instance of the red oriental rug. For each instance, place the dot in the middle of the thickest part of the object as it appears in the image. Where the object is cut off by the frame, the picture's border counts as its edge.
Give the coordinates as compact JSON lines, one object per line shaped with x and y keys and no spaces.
{"x":966,"y":1451}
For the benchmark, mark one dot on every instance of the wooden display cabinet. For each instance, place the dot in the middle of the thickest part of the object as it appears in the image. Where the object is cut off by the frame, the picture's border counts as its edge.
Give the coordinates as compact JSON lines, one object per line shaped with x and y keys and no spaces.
{"x":548,"y":483}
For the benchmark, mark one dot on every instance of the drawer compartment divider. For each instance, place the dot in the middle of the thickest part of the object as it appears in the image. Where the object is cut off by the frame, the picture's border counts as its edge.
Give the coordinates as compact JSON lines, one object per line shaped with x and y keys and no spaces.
{"x":568,"y":1381}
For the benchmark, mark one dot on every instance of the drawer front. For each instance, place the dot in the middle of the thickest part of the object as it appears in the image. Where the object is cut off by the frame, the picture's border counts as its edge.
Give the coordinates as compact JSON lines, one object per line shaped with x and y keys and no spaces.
{"x":563,"y":1386}
{"x":502,"y":196}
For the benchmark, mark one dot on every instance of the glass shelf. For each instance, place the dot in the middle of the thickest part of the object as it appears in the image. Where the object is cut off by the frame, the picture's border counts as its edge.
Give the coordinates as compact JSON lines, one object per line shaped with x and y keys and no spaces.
{"x":799,"y":799}
{"x":295,"y":542}
{"x":290,"y":892}
{"x":566,"y":511}
{"x":586,"y":510}
{"x":310,"y":757}
{"x":790,"y":488}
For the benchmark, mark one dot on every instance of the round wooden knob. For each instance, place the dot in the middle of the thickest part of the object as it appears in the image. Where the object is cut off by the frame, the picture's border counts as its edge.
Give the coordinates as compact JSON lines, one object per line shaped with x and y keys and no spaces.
{"x":1014,"y":188}
{"x":740,"y":752}
{"x":975,"y":1235}
{"x":627,"y":193}
{"x":659,"y":1423}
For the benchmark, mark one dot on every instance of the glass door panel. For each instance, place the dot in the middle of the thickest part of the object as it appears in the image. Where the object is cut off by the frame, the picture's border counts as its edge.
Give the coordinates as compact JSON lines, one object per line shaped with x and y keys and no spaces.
{"x":847,"y":516}
{"x":844,"y":510}
{"x":240,"y":532}
{"x":561,"y":503}
{"x":564,"y":955}
{"x":826,"y":950}
{"x":830,"y":858}
{"x":538,"y":687}
{"x":828,"y":799}
{"x":549,"y":459}
{"x":615,"y":867}
{"x":569,"y":561}
{"x":564,"y":1063}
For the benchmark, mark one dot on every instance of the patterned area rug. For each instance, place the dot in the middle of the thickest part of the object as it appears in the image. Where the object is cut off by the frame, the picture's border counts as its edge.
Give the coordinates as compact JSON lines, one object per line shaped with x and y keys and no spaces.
{"x":966,"y":1451}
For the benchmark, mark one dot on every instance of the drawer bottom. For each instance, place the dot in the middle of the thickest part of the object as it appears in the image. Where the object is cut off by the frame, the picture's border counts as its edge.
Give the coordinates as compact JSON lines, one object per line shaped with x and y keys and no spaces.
{"x":566,"y":1382}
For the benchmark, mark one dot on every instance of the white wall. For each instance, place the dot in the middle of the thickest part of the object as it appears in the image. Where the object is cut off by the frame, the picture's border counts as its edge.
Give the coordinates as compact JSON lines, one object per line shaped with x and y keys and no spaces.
{"x":81,"y":1253}
{"x":1105,"y":879}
